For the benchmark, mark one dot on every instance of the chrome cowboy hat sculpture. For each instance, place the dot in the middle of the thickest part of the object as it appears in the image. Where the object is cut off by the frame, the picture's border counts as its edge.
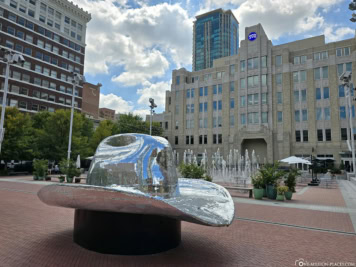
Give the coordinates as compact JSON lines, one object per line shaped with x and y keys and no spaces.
{"x":134,"y":175}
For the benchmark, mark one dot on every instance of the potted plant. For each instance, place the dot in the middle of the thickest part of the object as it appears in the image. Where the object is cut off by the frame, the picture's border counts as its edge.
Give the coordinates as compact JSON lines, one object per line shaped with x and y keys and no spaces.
{"x":290,"y":182}
{"x":258,"y":183}
{"x":69,"y":169}
{"x":270,"y":175}
{"x":281,"y":191}
{"x":40,"y":169}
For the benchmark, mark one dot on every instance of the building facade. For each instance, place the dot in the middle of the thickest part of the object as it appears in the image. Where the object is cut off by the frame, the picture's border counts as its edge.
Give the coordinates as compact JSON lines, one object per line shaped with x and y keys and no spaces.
{"x":90,"y":100}
{"x":215,"y":35}
{"x":50,"y":34}
{"x":279,"y":100}
{"x":107,"y":114}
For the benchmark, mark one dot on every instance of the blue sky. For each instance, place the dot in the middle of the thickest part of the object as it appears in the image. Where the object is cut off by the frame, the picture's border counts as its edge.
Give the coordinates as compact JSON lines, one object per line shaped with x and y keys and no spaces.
{"x":133,"y":46}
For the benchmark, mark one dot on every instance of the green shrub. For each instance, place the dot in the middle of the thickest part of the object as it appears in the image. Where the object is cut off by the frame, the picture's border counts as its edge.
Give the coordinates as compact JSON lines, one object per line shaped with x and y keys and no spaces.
{"x":282,"y":189}
{"x":291,"y":178}
{"x":70,"y":170}
{"x":270,"y":173}
{"x":40,"y":167}
{"x":257,"y":181}
{"x":193,"y":171}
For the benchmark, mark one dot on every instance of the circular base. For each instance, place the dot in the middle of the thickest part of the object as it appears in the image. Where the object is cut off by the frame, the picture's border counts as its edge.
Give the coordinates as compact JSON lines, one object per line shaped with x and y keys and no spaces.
{"x":125,"y":233}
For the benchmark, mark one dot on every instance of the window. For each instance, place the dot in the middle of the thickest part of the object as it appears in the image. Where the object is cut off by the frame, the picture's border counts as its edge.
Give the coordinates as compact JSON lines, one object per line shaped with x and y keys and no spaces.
{"x":341,"y":91}
{"x":340,"y":69}
{"x":303,"y":59}
{"x":232,"y":86}
{"x":72,"y":34}
{"x":232,"y":69}
{"x":46,"y":71}
{"x":342,"y":112}
{"x":317,"y":74}
{"x":279,"y":78}
{"x":264,"y":79}
{"x":305,"y":115}
{"x":296,"y":60}
{"x":296,"y":96}
{"x":38,"y":68}
{"x":253,"y":117}
{"x":346,"y":51}
{"x":320,"y":135}
{"x":349,"y":66}
{"x":305,"y":136}
{"x":297,"y":116}
{"x":9,"y":44}
{"x":264,"y":117}
{"x":220,"y":105}
{"x":10,"y":30}
{"x":219,"y":138}
{"x":219,"y":89}
{"x":43,"y":7}
{"x":15,"y":89}
{"x":80,"y":27}
{"x":37,"y":81}
{"x":26,"y":77}
{"x":40,"y":43}
{"x":327,"y":134}
{"x":23,"y":105}
{"x":16,"y":75}
{"x":318,"y":114}
{"x":20,"y":34}
{"x":317,"y":93}
{"x":297,"y":136}
{"x":62,"y":88}
{"x":303,"y":75}
{"x":304,"y":95}
{"x":201,"y":91}
{"x":243,"y":119}
{"x":279,"y":97}
{"x":264,"y":62}
{"x":327,"y":113}
{"x":264,"y":98}
{"x":66,"y":20}
{"x":177,"y":78}
{"x":188,"y":93}
{"x":205,"y":91}
{"x":343,"y":134}
{"x":44,"y":96}
{"x":23,"y":9}
{"x":252,"y":63}
{"x":36,"y":94}
{"x":57,"y":26}
{"x":243,"y":83}
{"x":13,"y":3}
{"x":48,"y":47}
{"x":280,"y":116}
{"x":27,"y":65}
{"x":53,"y":73}
{"x":232,"y":103}
{"x":278,"y":60}
{"x":42,"y":19}
{"x":326,"y":92}
{"x":29,"y":38}
{"x":242,"y":101}
{"x":50,"y":11}
{"x":325,"y":71}
{"x":232,"y":120}
{"x":295,"y":76}
{"x":242,"y":65}
{"x":31,"y":13}
{"x":187,"y":110}
{"x":52,"y":85}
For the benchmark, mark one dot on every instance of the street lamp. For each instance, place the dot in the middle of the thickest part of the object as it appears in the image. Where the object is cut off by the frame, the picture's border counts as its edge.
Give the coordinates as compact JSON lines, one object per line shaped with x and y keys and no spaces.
{"x":345,"y":78}
{"x":9,"y":58}
{"x":76,"y":80}
{"x":352,"y":7}
{"x":152,"y":106}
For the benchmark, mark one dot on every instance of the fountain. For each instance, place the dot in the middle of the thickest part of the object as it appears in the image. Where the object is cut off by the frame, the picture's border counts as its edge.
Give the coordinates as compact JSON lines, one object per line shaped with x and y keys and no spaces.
{"x":236,"y":169}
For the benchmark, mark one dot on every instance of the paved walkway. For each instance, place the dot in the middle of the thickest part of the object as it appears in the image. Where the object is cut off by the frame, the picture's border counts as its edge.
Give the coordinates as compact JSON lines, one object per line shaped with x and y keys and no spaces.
{"x":348,"y":190}
{"x":34,"y":234}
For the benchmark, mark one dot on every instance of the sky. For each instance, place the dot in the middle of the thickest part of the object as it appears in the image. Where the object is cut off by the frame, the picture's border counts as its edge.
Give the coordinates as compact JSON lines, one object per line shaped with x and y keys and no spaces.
{"x":133,"y":46}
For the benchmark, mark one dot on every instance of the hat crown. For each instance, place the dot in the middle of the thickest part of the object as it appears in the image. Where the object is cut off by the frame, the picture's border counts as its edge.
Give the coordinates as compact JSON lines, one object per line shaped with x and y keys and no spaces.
{"x":135,"y":160}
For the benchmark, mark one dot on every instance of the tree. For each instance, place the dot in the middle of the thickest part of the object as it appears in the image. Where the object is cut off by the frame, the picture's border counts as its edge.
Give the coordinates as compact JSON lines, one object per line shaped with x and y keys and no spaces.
{"x":129,"y":123}
{"x":106,"y":128}
{"x":18,"y":136}
{"x":52,"y":132}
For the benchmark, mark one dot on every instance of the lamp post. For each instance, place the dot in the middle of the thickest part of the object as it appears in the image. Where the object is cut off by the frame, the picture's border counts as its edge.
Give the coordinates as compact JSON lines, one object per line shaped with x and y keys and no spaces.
{"x":152,"y":106}
{"x":9,"y":59}
{"x":76,"y":80}
{"x":352,"y":7}
{"x":345,"y":78}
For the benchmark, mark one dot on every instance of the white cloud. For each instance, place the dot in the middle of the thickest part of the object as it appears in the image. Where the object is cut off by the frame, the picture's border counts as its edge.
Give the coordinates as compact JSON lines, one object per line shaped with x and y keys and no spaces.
{"x":139,"y":40}
{"x":333,"y":34}
{"x":116,"y":103}
{"x":156,"y":91}
{"x":142,"y":113}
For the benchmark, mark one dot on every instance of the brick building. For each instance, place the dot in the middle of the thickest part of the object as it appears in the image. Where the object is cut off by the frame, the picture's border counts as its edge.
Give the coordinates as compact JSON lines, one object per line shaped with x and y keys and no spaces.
{"x":51,"y":37}
{"x":90,"y":100}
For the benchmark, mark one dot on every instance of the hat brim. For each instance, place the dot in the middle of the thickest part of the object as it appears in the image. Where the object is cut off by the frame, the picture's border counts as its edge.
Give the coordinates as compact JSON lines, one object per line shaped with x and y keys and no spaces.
{"x":198,"y":201}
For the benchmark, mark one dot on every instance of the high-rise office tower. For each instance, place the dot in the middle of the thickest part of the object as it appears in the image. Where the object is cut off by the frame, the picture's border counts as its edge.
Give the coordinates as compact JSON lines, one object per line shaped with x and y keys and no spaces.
{"x":51,"y":37}
{"x":215,"y":35}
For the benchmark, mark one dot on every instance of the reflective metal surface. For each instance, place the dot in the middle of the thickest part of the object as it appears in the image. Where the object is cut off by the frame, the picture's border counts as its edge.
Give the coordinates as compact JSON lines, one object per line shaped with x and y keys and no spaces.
{"x":141,"y":161}
{"x":134,"y":173}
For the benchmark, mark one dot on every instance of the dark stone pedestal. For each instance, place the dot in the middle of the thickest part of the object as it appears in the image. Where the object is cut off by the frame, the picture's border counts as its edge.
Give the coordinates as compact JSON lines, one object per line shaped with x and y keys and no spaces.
{"x":125,"y":233}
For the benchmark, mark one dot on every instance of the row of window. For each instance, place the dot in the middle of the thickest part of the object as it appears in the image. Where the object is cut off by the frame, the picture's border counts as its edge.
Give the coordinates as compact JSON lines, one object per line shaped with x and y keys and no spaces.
{"x":203,"y":91}
{"x":27,"y":106}
{"x":253,"y":118}
{"x":322,"y":135}
{"x":30,"y":25}
{"x":203,"y":139}
{"x":40,"y":43}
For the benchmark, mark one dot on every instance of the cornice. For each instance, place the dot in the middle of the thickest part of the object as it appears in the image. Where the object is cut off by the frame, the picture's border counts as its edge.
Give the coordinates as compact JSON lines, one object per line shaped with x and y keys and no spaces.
{"x":75,"y":9}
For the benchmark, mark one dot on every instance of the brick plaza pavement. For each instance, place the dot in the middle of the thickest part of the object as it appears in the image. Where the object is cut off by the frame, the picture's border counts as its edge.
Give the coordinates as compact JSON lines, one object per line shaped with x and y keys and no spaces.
{"x":34,"y":234}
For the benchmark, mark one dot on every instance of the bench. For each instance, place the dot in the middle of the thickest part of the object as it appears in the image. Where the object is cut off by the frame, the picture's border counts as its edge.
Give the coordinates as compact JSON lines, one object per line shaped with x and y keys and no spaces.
{"x":241,"y":189}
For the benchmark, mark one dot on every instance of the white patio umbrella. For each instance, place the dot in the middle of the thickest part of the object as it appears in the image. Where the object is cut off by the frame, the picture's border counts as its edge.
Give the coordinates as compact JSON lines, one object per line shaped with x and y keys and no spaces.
{"x":295,"y":160}
{"x":77,"y":164}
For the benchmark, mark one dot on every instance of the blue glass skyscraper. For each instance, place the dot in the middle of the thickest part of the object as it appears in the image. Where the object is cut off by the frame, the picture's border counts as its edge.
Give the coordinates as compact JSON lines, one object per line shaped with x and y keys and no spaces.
{"x":216,"y":35}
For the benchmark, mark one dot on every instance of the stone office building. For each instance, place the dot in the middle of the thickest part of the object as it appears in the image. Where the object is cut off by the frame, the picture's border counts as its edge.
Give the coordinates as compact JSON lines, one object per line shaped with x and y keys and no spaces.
{"x":51,"y":37}
{"x":279,"y":100}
